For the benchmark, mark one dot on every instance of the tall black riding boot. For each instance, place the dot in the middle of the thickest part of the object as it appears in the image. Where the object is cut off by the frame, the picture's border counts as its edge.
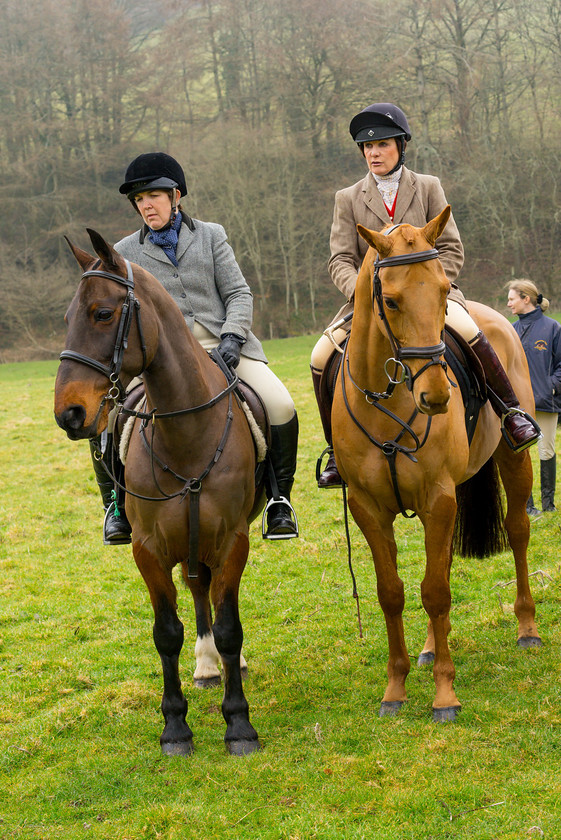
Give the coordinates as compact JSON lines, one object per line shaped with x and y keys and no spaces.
{"x":116,"y":528}
{"x":548,"y":470}
{"x":518,"y":428}
{"x":282,"y":523}
{"x":329,"y":477}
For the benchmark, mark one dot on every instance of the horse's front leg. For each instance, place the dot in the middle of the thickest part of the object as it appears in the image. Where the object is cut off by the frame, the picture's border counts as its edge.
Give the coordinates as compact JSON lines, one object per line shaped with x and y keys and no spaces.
{"x":438,"y":522}
{"x":207,"y":658}
{"x":241,"y":738}
{"x":516,"y":475}
{"x":177,"y":737}
{"x":377,"y":528}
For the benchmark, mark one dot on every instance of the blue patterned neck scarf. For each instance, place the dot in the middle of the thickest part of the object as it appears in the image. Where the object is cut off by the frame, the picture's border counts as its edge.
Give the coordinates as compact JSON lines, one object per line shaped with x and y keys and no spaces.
{"x":167,"y":238}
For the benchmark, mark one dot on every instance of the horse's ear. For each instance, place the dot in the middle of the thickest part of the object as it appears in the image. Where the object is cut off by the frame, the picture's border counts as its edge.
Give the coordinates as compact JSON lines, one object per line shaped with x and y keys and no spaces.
{"x":109,"y":257}
{"x":84,"y":259}
{"x":378,"y":241}
{"x":434,"y":228}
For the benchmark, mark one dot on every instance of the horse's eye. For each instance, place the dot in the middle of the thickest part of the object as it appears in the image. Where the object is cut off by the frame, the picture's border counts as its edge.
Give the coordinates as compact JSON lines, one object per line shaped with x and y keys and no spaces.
{"x":103,"y":314}
{"x":391,"y":304}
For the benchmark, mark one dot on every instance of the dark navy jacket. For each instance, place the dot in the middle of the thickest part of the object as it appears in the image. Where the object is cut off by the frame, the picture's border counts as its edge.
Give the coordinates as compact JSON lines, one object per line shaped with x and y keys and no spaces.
{"x":541,"y":340}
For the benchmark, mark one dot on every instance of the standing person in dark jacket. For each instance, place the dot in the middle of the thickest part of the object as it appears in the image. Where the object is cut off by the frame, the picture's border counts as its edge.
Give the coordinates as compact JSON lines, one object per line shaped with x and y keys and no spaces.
{"x":541,"y":340}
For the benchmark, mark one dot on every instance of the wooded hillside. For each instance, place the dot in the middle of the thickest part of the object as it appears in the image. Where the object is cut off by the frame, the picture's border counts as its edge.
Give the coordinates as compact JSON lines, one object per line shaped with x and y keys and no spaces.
{"x":254,"y":97}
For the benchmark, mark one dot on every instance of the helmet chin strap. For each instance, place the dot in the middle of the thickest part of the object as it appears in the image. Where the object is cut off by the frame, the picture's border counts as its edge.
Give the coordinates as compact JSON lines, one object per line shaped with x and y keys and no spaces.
{"x":402,"y":144}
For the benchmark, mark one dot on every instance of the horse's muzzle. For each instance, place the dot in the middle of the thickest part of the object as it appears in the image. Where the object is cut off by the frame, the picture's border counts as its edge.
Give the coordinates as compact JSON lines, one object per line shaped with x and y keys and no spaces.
{"x":71,"y":420}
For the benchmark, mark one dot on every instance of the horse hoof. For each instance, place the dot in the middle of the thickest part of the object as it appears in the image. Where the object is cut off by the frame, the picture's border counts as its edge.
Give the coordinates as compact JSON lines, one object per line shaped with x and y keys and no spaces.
{"x":242,"y":747}
{"x":207,"y":682}
{"x":178,"y":747}
{"x":390,"y":708}
{"x":425,"y":658}
{"x":529,"y":642}
{"x":446,"y":714}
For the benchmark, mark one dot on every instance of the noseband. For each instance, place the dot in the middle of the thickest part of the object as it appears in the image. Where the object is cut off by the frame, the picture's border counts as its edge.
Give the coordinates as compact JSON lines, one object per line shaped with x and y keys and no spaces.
{"x":131,"y":306}
{"x":433,"y":353}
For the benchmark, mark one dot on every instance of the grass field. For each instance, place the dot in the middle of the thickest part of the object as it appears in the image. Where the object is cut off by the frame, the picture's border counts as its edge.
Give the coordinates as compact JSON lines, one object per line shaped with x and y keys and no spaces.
{"x":80,"y":680}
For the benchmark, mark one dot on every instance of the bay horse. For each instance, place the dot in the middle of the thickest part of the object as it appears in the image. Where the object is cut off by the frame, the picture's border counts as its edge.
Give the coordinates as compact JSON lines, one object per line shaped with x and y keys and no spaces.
{"x":190,"y":468}
{"x":400,"y":444}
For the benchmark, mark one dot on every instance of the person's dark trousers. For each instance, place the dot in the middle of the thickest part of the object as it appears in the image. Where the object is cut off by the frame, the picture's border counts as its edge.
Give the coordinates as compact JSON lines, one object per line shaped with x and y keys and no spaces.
{"x":116,"y":527}
{"x":281,"y":519}
{"x":548,"y":471}
{"x":531,"y":510}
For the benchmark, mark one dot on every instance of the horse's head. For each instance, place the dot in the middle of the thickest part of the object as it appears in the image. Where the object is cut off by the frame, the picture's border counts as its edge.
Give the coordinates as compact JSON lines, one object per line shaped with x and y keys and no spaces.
{"x":98,"y":360}
{"x":408,"y":290}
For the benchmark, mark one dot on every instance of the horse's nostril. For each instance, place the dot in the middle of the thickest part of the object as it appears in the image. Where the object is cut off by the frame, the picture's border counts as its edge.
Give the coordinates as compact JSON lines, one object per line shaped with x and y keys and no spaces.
{"x":72,"y":418}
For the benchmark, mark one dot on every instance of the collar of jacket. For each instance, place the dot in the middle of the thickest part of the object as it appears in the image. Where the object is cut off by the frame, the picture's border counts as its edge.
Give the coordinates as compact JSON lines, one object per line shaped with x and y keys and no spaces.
{"x":405,"y":194}
{"x":534,"y":315}
{"x":186,"y":220}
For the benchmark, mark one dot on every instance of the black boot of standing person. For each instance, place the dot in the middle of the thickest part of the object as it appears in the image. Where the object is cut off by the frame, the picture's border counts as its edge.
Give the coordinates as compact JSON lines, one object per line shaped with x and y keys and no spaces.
{"x":548,"y":471}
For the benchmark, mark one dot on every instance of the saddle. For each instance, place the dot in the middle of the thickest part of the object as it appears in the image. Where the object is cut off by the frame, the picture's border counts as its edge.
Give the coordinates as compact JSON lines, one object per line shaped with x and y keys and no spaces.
{"x":458,"y":356}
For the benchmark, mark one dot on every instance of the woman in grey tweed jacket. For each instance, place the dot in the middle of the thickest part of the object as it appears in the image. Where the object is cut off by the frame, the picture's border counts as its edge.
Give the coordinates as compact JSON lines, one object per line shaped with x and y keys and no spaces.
{"x":194,"y":262}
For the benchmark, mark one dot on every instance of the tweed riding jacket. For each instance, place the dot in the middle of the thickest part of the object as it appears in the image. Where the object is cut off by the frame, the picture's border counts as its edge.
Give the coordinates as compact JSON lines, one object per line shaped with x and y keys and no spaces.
{"x":419,"y":199}
{"x":207,"y":284}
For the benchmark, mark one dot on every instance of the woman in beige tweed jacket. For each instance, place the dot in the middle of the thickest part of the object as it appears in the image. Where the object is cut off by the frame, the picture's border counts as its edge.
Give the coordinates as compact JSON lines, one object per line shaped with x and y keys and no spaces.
{"x":391,"y":193}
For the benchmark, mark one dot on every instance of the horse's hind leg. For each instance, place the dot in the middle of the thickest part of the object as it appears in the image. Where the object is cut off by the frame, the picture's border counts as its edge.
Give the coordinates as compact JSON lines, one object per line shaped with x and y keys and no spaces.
{"x":177,"y":737}
{"x":241,"y":738}
{"x":426,"y":656}
{"x":207,"y":658}
{"x":516,"y":474}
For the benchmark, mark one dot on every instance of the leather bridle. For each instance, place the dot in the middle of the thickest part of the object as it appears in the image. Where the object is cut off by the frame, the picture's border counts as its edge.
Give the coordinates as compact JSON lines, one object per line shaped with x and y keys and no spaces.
{"x":434,"y":355}
{"x":131,"y":307}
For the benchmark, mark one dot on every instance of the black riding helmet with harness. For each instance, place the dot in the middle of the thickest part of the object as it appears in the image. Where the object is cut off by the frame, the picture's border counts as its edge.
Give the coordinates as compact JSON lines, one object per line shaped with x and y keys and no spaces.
{"x":381,"y":121}
{"x":154,"y":171}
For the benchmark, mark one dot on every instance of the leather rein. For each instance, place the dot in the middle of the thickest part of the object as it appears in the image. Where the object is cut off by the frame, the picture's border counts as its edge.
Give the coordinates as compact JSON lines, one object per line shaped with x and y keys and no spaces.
{"x":401,"y":374}
{"x":117,"y":391}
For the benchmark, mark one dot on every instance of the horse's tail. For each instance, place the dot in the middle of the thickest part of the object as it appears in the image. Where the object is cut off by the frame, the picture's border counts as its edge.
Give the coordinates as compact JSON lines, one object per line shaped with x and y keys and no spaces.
{"x":479,"y":529}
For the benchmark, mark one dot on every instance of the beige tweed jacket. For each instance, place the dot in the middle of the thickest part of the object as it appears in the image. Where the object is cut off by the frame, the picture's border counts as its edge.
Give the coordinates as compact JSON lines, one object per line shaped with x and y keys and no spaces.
{"x":419,"y":199}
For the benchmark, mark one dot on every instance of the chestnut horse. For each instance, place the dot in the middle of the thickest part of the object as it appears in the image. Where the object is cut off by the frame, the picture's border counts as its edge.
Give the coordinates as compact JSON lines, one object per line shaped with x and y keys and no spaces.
{"x":190,"y":468}
{"x":400,"y":443}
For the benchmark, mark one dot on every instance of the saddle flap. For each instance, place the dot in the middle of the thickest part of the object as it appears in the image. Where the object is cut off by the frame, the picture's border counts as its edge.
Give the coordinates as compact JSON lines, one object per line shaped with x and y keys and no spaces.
{"x":257,"y":408}
{"x":464,"y":355}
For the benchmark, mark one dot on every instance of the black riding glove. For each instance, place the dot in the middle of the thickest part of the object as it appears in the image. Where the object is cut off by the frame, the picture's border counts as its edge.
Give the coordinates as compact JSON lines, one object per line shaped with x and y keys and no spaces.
{"x":230,"y":348}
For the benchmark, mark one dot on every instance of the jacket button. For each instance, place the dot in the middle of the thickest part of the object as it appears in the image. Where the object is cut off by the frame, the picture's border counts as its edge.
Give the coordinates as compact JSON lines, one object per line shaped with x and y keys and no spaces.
{"x":183,"y":295}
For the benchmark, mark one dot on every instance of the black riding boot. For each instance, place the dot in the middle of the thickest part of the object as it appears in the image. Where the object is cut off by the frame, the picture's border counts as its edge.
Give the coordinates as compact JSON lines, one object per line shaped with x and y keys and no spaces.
{"x":329,"y":477}
{"x":548,"y":470}
{"x":116,"y":528}
{"x":516,"y":425}
{"x":282,"y":523}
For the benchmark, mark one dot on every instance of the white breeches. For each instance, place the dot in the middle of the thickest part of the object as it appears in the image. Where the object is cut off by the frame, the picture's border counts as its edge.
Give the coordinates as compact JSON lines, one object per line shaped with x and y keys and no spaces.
{"x":258,"y":375}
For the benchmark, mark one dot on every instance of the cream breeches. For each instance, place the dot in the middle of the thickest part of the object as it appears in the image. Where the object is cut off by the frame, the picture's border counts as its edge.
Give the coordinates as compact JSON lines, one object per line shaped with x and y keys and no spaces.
{"x":260,"y":377}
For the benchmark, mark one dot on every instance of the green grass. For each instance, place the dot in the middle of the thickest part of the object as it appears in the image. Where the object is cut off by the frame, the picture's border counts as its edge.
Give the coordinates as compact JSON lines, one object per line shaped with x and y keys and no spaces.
{"x":80,"y":680}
